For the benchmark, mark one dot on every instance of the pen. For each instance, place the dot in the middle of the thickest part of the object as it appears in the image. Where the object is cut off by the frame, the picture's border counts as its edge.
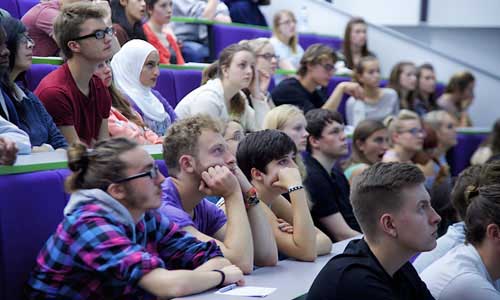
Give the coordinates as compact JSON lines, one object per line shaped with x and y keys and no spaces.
{"x":227,"y":288}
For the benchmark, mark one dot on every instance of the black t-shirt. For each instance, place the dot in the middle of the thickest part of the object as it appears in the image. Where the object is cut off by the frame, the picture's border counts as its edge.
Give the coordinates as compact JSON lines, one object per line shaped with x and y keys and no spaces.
{"x":357,"y":274}
{"x":329,"y":194}
{"x":290,"y":91}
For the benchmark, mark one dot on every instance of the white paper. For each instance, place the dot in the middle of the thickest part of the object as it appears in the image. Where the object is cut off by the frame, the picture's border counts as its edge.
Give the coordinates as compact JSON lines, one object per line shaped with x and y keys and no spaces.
{"x":249,"y":291}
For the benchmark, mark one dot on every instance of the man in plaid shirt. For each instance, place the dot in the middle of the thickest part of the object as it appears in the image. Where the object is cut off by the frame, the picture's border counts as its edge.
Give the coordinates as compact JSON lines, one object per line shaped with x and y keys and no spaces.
{"x":113,"y":243}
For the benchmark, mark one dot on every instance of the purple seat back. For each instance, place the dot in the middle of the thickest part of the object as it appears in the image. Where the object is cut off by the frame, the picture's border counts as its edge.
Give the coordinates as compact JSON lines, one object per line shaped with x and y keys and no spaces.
{"x":29,"y":213}
{"x":165,"y":85}
{"x":307,"y":39}
{"x":25,"y":5}
{"x":334,"y":81}
{"x":185,"y":82}
{"x":36,"y":73}
{"x":225,"y":35}
{"x":12,"y":7}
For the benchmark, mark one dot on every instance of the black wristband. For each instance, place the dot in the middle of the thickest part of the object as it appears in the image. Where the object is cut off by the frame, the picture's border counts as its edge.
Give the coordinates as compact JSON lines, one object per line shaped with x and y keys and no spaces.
{"x":221,"y":283}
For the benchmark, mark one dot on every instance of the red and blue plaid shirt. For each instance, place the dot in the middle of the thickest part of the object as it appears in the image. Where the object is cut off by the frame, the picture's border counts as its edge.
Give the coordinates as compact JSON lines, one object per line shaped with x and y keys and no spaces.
{"x":94,"y":256}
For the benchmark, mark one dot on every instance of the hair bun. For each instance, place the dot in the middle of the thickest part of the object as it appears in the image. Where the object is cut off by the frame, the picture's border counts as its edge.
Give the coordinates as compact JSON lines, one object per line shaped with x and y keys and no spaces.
{"x":78,"y":157}
{"x":470,"y":193}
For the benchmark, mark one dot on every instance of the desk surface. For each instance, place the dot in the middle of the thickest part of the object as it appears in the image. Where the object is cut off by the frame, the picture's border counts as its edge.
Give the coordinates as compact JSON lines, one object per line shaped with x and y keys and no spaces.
{"x":291,"y":278}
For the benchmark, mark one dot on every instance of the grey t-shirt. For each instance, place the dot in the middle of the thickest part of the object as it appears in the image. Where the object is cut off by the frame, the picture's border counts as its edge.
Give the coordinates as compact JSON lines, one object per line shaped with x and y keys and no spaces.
{"x":387,"y":105}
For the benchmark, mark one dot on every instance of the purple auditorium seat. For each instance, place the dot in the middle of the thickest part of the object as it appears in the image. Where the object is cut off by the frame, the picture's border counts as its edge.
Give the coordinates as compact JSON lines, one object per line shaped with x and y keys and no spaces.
{"x":36,"y":73}
{"x":331,"y":86}
{"x":185,"y":82}
{"x":12,"y":7}
{"x":224,"y":35}
{"x":165,"y":85}
{"x":31,"y":206}
{"x":307,"y":39}
{"x":459,"y":156}
{"x":25,"y":5}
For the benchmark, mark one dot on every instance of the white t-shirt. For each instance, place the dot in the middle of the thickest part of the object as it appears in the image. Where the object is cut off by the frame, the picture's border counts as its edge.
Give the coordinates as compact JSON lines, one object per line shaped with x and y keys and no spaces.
{"x":460,"y":275}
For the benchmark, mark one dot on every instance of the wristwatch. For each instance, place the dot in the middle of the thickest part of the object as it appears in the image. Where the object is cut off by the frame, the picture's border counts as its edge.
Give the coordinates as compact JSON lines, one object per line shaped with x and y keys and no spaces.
{"x":251,"y":198}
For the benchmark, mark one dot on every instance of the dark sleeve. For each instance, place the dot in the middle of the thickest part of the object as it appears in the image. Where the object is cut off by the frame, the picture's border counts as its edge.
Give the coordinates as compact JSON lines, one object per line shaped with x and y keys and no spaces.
{"x":58,"y":104}
{"x":55,"y":138}
{"x":181,"y":250}
{"x":120,"y":34}
{"x":322,"y":195}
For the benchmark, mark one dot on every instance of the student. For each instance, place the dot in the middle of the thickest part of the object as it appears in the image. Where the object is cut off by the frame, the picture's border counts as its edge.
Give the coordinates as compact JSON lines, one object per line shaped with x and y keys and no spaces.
{"x":407,"y":137}
{"x":458,"y":96}
{"x":123,"y":120}
{"x":221,"y":97}
{"x":233,"y":134}
{"x":285,"y":41}
{"x":157,"y":33}
{"x":327,"y":186}
{"x":355,"y":45}
{"x":370,"y":141}
{"x":200,"y":165}
{"x":135,"y":68}
{"x":403,"y":79}
{"x":267,"y":158}
{"x":291,"y":120}
{"x":394,"y":211}
{"x":194,"y":37}
{"x":247,"y":11}
{"x":111,"y":215}
{"x":455,"y":234}
{"x":13,"y":141}
{"x":378,"y":103}
{"x":316,"y":69}
{"x":490,"y":147}
{"x":77,"y":100}
{"x":426,"y":90}
{"x":33,"y":117}
{"x":126,"y":16}
{"x":471,"y":270}
{"x":444,"y":125}
{"x":40,"y":20}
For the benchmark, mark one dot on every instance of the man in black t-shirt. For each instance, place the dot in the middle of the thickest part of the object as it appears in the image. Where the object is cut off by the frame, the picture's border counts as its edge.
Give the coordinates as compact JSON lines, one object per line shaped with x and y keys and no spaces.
{"x":308,"y":89}
{"x":394,"y":211}
{"x":327,"y":186}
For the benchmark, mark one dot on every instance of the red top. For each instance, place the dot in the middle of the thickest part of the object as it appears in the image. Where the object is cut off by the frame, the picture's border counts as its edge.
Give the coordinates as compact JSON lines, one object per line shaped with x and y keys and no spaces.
{"x":162,"y":50}
{"x":69,"y":107}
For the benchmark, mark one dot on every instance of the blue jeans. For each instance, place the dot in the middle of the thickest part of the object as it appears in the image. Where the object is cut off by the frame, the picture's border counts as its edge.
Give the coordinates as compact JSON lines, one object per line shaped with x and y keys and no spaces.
{"x":194,"y":51}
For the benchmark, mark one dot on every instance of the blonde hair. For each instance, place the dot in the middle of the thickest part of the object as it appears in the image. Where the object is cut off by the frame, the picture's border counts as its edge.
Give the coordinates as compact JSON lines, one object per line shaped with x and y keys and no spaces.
{"x":394,"y":123}
{"x":277,"y":117}
{"x":294,"y":40}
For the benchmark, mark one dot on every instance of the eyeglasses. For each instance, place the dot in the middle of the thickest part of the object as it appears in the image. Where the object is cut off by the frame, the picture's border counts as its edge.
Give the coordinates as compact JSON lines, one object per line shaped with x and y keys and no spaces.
{"x":27,"y":40}
{"x":268,"y":56}
{"x":328,"y":67}
{"x":414,"y":131}
{"x":288,"y":22}
{"x":153,"y":173}
{"x":98,"y":34}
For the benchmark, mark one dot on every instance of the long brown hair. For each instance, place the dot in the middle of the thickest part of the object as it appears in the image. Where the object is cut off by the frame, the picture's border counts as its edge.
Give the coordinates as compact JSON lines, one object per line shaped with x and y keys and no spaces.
{"x":362,"y":132}
{"x":408,"y":102}
{"x":123,"y":106}
{"x":294,"y":40}
{"x":346,"y":45}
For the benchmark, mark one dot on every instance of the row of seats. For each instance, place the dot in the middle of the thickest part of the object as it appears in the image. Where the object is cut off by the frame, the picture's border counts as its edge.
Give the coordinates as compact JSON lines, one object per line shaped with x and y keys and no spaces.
{"x":29,"y":214}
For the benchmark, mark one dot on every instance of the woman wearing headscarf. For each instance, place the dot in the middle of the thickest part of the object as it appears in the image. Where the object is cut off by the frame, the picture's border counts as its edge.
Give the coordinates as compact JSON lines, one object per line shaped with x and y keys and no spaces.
{"x":136,"y":70}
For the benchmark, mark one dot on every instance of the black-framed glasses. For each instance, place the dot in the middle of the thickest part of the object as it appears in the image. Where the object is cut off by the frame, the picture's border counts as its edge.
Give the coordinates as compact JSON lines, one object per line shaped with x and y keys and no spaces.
{"x":152,"y":173}
{"x":98,"y":34}
{"x":414,"y":131}
{"x":268,"y":56}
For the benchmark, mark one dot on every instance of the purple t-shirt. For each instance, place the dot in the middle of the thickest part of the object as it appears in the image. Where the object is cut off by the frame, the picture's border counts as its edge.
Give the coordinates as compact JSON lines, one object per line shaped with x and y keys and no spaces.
{"x":208,"y":218}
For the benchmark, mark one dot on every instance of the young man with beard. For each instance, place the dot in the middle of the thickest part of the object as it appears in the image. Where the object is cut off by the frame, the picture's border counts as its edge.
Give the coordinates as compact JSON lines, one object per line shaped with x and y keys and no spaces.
{"x":113,"y":243}
{"x":394,"y":211}
{"x":76,"y":99}
{"x":200,"y":165}
{"x":327,"y":186}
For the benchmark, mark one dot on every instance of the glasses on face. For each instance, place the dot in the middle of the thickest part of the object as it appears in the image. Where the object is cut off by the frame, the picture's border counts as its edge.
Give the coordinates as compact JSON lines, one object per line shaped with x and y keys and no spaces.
{"x":268,"y":56}
{"x":288,"y":22}
{"x":26,"y":40}
{"x":328,"y":67}
{"x":98,"y":34}
{"x":414,"y":131}
{"x":153,"y":173}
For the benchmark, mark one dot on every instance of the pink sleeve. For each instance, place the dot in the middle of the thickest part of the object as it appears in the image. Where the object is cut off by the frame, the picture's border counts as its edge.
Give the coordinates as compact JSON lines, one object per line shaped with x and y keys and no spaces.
{"x":46,"y":19}
{"x":118,"y":125}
